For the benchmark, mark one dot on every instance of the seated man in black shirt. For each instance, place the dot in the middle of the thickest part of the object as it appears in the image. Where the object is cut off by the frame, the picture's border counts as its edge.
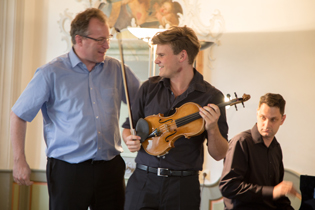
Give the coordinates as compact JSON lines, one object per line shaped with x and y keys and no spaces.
{"x":171,"y":181}
{"x":252,"y":176}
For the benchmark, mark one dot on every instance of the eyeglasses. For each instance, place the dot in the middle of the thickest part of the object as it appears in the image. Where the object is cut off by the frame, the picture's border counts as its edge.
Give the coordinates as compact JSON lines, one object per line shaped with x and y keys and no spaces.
{"x":100,"y":41}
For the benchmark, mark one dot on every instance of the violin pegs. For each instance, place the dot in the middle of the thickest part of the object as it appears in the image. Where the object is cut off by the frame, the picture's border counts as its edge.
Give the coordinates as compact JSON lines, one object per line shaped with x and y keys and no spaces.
{"x":235,"y":107}
{"x":243,"y":104}
{"x":235,"y":94}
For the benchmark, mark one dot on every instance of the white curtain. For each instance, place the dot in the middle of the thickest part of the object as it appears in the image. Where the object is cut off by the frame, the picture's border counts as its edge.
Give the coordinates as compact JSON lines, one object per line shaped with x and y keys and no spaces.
{"x":11,"y":42}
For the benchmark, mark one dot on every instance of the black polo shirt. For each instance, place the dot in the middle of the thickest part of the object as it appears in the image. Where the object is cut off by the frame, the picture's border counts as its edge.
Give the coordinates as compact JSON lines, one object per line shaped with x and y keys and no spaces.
{"x":155,"y":97}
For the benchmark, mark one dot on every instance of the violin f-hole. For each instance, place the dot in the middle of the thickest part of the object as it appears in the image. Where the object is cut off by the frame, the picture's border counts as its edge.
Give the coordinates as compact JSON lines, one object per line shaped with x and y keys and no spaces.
{"x":166,"y":139}
{"x":160,"y":120}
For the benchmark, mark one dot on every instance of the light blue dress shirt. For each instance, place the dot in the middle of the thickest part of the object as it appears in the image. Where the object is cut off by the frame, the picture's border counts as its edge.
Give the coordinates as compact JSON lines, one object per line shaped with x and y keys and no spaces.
{"x":80,"y":108}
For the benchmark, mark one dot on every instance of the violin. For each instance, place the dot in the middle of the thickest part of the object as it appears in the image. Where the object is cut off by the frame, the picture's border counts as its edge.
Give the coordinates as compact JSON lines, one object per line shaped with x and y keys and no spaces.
{"x":158,"y":133}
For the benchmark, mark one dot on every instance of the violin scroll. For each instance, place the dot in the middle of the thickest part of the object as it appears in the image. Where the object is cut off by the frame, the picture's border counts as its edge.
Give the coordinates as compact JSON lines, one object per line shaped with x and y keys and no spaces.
{"x":244,"y":98}
{"x":235,"y":101}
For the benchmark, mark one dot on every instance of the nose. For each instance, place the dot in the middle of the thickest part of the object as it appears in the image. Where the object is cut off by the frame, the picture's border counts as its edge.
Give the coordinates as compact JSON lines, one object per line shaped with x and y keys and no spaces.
{"x":267,"y":123}
{"x":105,"y":45}
{"x":157,"y":61}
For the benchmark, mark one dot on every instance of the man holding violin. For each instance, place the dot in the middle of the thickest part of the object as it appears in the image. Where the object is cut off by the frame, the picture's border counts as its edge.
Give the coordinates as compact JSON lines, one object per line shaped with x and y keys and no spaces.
{"x":171,"y":181}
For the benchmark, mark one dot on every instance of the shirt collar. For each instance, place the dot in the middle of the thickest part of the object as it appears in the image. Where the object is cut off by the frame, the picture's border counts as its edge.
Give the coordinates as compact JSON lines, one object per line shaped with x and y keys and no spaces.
{"x":257,"y":138}
{"x":195,"y":84}
{"x":75,"y":60}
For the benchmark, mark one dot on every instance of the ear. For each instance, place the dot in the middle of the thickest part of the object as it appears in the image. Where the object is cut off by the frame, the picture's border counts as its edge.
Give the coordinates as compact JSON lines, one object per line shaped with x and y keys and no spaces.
{"x":283,"y":118}
{"x":183,"y":56}
{"x":78,"y":39}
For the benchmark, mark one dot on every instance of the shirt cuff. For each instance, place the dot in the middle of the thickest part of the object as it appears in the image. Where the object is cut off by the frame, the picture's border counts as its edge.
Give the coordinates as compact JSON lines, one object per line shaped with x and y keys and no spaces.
{"x":267,"y":192}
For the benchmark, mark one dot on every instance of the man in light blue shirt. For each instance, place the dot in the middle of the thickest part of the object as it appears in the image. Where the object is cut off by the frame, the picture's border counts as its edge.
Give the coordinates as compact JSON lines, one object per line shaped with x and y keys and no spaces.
{"x":79,"y":94}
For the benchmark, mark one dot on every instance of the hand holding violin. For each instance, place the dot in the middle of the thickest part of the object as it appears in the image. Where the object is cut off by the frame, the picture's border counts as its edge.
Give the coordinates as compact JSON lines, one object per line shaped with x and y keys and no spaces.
{"x":217,"y":145}
{"x":210,"y":114}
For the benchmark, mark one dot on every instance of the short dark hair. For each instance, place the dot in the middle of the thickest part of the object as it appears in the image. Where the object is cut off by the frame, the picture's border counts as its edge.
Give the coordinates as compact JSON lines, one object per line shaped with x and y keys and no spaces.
{"x":80,"y":24}
{"x":180,"y":38}
{"x":273,"y":100}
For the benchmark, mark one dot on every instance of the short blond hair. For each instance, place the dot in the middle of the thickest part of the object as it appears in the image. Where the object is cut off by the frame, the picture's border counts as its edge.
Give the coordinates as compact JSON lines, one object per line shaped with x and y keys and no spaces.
{"x":180,"y":38}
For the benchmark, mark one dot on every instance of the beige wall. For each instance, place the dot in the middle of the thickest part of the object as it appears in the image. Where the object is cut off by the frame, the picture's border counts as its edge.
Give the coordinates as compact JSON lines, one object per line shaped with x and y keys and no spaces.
{"x":267,"y":46}
{"x":279,"y":62}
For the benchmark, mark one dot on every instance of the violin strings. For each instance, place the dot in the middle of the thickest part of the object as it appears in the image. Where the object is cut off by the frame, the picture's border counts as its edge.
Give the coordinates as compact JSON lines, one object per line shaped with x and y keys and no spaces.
{"x":189,"y":118}
{"x":182,"y":121}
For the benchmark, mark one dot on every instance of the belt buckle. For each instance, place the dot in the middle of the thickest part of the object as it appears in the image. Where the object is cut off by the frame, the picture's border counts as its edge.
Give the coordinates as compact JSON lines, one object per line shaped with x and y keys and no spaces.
{"x":159,"y":172}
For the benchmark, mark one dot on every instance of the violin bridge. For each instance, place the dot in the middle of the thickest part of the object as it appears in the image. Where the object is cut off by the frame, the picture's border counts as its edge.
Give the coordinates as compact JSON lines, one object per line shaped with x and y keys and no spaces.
{"x":166,"y":128}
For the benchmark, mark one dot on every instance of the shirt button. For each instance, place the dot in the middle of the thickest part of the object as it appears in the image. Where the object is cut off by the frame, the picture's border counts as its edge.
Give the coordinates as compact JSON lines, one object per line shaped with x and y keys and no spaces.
{"x":96,"y":117}
{"x":99,"y":132}
{"x":91,"y":88}
{"x":93,"y":102}
{"x":99,"y":148}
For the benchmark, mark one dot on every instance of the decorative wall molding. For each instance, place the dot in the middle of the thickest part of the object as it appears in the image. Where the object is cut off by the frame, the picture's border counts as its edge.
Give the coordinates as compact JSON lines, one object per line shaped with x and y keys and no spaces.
{"x":206,"y":30}
{"x":209,"y":30}
{"x":64,"y":24}
{"x":65,"y":20}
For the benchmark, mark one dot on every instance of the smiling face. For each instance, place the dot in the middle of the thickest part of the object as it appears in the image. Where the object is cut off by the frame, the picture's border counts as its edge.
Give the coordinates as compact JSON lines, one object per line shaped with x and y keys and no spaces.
{"x":269,"y":120}
{"x":90,"y":51}
{"x":169,"y":64}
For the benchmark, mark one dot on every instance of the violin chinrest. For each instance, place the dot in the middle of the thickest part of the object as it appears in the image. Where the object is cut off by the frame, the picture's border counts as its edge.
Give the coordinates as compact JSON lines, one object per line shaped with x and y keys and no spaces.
{"x":142,"y":129}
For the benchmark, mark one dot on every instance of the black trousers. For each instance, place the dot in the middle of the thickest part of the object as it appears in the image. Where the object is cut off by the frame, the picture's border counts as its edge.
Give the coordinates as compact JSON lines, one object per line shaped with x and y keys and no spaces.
{"x":148,"y":191}
{"x":98,"y":185}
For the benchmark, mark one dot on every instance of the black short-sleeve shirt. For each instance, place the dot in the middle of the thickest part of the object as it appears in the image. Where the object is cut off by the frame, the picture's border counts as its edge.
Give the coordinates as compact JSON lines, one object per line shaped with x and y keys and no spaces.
{"x":156,"y":97}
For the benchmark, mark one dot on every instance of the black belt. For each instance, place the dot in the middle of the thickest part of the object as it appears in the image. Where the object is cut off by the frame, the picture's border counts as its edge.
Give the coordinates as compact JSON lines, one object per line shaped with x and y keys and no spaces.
{"x":91,"y":161}
{"x":165,"y":171}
